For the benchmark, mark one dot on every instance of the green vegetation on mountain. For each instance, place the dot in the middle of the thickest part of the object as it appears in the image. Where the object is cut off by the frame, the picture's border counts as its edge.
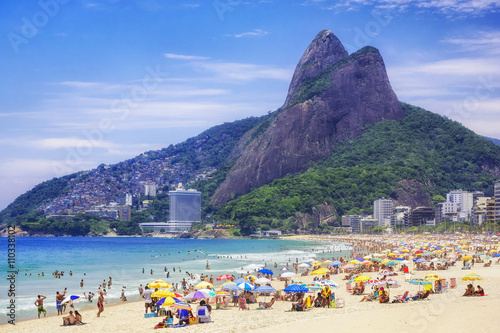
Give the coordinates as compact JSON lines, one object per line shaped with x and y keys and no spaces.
{"x":320,"y":82}
{"x":34,"y":198}
{"x":440,"y":154}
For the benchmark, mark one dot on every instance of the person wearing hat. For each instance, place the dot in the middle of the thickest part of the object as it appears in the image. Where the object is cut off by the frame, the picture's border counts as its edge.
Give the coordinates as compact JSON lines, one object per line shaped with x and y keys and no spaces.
{"x":383,"y":296}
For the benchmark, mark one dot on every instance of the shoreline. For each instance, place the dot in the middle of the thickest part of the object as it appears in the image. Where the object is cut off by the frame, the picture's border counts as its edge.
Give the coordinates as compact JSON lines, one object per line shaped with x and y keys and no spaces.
{"x":443,"y":311}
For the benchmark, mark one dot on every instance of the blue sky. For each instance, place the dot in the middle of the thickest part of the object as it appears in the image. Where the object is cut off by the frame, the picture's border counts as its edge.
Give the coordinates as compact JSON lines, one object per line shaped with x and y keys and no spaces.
{"x":89,"y":82}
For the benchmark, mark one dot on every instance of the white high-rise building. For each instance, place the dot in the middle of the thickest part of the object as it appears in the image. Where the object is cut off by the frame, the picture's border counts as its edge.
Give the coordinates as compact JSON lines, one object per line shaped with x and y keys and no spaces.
{"x":464,"y":199}
{"x":150,"y":189}
{"x":382,"y":209}
{"x":128,"y":199}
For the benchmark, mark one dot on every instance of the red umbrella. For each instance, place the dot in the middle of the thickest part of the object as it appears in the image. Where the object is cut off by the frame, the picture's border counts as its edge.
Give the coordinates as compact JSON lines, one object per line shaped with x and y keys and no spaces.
{"x":225,"y":277}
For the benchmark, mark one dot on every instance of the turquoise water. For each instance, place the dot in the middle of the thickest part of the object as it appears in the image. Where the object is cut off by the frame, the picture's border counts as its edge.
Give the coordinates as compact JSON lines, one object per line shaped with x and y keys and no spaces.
{"x":97,"y":259}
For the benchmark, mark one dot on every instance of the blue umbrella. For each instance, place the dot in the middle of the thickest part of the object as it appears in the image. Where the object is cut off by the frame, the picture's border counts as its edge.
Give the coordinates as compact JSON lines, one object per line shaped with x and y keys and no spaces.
{"x":266,"y":271}
{"x":245,"y":286}
{"x":240,"y":280}
{"x":265,"y":289}
{"x":295,"y":288}
{"x":335,"y":263}
{"x":230,"y":287}
{"x":420,"y":260}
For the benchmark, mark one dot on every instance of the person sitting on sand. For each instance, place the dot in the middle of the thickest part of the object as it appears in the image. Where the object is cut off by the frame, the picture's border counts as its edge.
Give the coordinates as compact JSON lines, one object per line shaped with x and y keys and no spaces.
{"x":373,"y":295}
{"x":469,"y":291}
{"x":167,"y":321}
{"x":479,"y":291}
{"x":266,"y":305}
{"x":69,"y":320}
{"x":299,"y":306}
{"x":383,"y":296}
{"x":319,"y":302}
{"x":78,"y":317}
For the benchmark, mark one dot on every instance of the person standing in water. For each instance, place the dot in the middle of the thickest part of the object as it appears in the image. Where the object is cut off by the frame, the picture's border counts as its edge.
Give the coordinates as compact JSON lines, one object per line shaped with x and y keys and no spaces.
{"x":39,"y":305}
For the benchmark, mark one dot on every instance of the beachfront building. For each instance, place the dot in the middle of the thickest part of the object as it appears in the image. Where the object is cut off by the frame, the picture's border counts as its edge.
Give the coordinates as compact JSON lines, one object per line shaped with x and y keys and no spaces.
{"x":490,"y":210}
{"x":367,"y":223}
{"x":479,"y":210}
{"x":382,"y":209}
{"x":420,"y":215}
{"x":497,"y":202}
{"x":352,"y":221}
{"x":401,"y":214}
{"x":185,"y":208}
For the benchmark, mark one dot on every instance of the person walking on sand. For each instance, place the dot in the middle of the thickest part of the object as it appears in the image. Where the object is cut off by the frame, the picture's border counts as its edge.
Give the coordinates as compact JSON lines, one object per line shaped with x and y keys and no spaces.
{"x":141,"y":290}
{"x":100,"y":304}
{"x":39,"y":305}
{"x":148,"y":302}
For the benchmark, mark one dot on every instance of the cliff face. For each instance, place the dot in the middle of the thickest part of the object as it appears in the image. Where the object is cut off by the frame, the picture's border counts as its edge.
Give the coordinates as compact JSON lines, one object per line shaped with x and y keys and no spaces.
{"x":328,"y":103}
{"x":325,"y":49}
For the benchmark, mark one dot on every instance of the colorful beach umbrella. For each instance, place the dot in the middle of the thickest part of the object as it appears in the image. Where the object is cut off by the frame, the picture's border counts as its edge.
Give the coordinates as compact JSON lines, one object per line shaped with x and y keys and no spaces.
{"x":167,"y":301}
{"x":320,"y":271}
{"x":296,"y":288}
{"x":432,"y":277}
{"x":225,"y":277}
{"x":472,"y":277}
{"x":246,"y":286}
{"x":181,"y":305}
{"x":163,"y":293}
{"x":362,"y":278}
{"x":203,"y":285}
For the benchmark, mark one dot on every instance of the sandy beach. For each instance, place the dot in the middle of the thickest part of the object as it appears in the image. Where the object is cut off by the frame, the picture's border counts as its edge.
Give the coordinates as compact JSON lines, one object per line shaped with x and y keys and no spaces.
{"x":447,"y":311}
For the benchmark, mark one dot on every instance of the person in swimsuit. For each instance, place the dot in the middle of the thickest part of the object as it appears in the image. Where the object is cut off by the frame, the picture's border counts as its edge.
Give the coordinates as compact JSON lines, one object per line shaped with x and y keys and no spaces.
{"x":39,"y":304}
{"x":59,"y":299}
{"x":100,"y":304}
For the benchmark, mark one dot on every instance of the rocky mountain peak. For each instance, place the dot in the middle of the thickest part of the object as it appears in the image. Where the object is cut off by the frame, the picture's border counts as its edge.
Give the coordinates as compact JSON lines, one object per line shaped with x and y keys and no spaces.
{"x":323,"y":51}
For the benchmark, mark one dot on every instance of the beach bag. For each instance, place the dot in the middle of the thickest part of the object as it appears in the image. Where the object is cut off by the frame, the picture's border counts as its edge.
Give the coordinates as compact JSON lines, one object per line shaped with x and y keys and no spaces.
{"x":193,"y":320}
{"x":332,"y":304}
{"x":339,"y":303}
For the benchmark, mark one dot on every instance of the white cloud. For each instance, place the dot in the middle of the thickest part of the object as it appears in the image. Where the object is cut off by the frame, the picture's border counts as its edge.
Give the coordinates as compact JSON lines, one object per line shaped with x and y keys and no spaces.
{"x":255,"y":32}
{"x":245,"y":72}
{"x":486,"y":42}
{"x":463,"y":7}
{"x":183,"y":57}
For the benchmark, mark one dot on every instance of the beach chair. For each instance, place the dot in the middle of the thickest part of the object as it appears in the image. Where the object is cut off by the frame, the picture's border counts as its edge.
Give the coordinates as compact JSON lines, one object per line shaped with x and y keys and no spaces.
{"x":401,"y":298}
{"x":443,"y":285}
{"x":203,"y":314}
{"x":425,"y":295}
{"x":242,"y":304}
{"x":348,"y":287}
{"x":453,"y":283}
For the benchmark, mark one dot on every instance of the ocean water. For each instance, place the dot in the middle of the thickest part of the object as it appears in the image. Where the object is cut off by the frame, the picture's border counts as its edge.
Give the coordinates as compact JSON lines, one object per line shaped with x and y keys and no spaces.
{"x":123,"y":259}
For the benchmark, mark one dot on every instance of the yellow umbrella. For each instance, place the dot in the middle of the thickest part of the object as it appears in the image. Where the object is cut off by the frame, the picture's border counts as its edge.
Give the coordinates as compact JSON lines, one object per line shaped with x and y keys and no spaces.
{"x":250,"y":277}
{"x":163,"y":293}
{"x":203,"y":285}
{"x":326,"y":262}
{"x":472,"y":277}
{"x":320,"y":271}
{"x":362,"y":278}
{"x":316,"y":263}
{"x":160,"y":285}
{"x":355,"y":262}
{"x":466,"y":258}
{"x":432,"y":277}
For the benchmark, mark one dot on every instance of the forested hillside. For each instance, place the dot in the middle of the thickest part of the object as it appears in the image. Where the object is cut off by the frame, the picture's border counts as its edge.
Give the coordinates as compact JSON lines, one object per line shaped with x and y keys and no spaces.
{"x":423,"y":148}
